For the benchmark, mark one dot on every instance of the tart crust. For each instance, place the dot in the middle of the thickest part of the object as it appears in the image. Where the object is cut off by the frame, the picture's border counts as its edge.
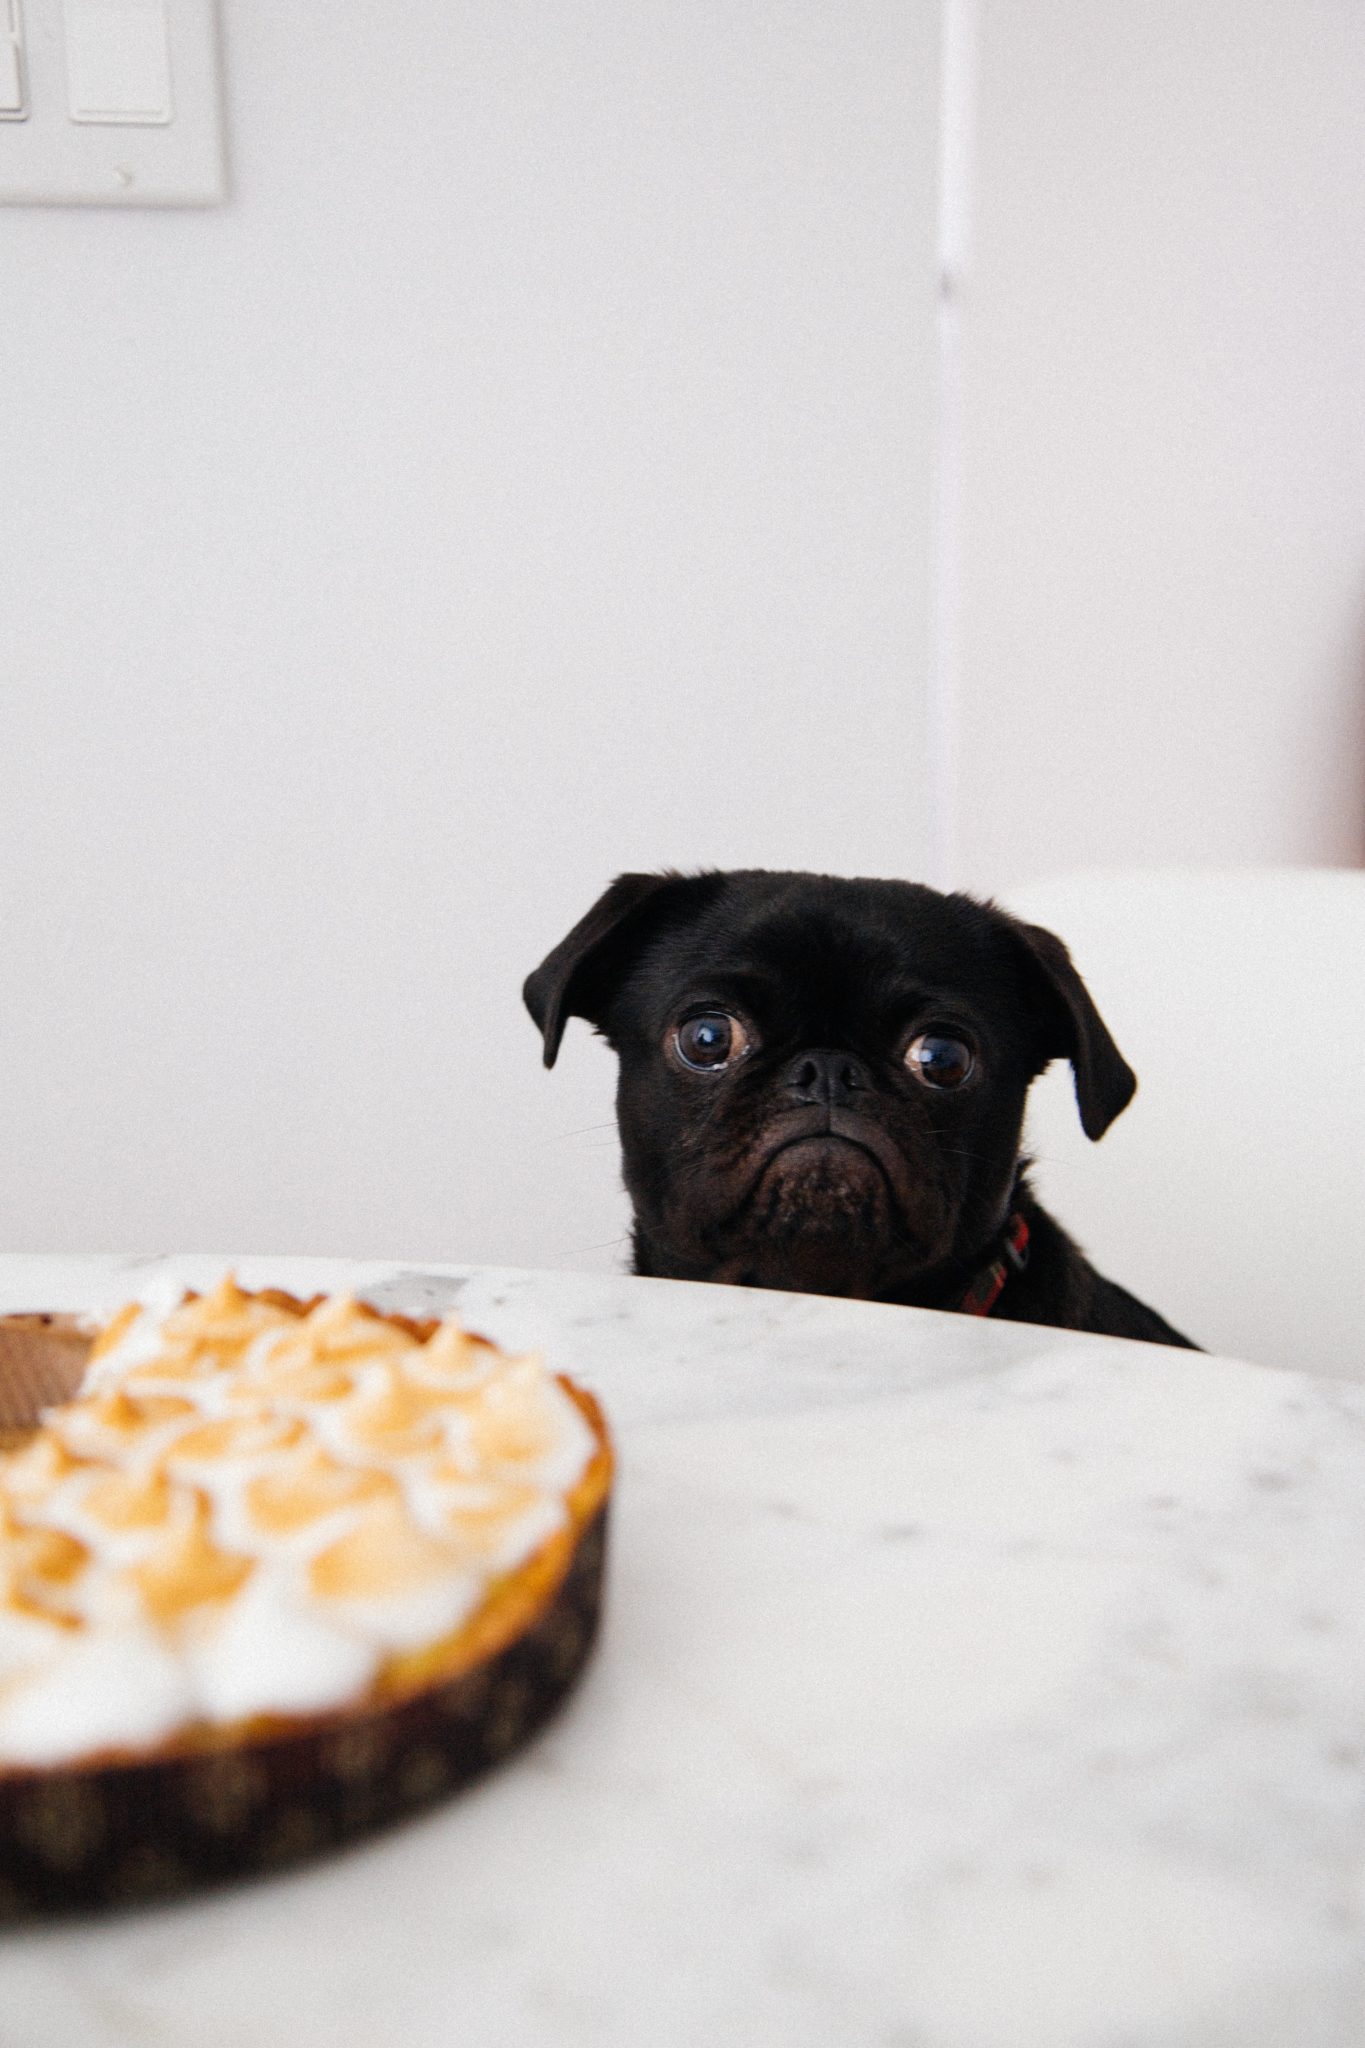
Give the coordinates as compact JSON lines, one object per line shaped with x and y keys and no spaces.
{"x":221,"y":1801}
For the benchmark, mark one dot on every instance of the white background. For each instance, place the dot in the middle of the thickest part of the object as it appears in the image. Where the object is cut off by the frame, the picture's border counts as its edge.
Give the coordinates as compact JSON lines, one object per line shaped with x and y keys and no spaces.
{"x":546,"y":464}
{"x":1164,"y":437}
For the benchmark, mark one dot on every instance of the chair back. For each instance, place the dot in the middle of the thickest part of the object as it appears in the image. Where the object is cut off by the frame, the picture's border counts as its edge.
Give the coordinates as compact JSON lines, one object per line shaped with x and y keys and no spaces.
{"x":1231,"y":1193}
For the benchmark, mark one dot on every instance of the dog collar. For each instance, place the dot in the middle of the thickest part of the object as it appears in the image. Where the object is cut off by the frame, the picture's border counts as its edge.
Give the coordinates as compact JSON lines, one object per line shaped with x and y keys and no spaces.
{"x":989,"y":1283}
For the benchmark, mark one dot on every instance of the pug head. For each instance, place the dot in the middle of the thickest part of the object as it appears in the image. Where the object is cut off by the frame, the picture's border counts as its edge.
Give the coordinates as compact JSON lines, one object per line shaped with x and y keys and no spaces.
{"x":822,"y":1081}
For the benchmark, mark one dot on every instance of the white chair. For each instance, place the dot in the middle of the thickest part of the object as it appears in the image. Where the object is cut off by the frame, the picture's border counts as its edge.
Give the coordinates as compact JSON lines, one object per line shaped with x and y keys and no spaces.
{"x":1231,"y":1193}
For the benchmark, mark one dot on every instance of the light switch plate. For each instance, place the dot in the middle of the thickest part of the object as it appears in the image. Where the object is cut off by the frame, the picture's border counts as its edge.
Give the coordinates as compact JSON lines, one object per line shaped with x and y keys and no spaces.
{"x":13,"y":84}
{"x":162,"y":150}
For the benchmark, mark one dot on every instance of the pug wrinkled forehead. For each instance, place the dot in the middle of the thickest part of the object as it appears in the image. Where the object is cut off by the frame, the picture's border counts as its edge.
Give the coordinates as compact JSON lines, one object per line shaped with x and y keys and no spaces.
{"x":822,"y":1080}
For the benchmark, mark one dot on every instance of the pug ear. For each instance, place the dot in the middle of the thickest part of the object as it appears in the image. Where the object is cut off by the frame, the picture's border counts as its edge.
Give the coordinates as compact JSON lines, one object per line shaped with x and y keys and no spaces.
{"x":577,"y":977}
{"x":1105,"y":1083}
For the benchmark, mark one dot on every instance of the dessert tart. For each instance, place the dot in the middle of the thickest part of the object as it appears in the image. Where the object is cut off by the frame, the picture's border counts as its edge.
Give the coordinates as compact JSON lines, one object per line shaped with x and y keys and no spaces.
{"x":272,"y":1572}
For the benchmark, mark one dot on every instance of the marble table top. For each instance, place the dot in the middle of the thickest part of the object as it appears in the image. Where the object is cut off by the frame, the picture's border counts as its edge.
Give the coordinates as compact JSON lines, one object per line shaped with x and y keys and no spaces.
{"x":963,"y":1685}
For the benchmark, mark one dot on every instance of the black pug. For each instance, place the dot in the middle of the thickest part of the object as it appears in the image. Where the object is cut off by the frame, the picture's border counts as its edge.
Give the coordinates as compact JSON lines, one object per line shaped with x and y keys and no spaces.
{"x":822,"y":1087}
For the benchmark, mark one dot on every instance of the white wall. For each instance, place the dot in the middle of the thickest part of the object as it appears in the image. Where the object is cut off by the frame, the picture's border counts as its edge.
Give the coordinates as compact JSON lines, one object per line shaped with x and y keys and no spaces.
{"x":530,"y":474}
{"x":1163,"y":490}
{"x":526,"y":476}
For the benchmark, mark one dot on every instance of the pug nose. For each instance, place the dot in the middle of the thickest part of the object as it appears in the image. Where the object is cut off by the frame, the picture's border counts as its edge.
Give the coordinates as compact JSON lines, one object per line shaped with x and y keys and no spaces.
{"x":831,"y":1078}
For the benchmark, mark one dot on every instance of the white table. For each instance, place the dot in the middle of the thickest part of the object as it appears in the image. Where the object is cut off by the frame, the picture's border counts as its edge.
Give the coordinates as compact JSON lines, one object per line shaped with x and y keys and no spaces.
{"x":963,"y":1685}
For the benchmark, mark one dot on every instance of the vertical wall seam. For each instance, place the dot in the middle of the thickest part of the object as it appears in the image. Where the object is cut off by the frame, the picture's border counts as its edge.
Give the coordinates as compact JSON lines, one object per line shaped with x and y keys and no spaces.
{"x":956,"y":141}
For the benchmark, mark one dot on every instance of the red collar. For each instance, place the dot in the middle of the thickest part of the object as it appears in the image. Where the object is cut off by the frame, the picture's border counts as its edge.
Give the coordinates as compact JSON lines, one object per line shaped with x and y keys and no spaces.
{"x":989,"y":1283}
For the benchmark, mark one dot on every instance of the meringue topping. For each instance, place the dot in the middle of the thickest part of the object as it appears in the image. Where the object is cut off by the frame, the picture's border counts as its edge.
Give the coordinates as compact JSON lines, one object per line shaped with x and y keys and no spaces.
{"x":252,"y":1505}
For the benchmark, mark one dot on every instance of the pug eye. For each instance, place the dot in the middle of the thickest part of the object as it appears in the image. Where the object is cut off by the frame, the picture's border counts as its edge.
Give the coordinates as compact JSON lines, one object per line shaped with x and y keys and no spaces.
{"x":939,"y":1061}
{"x":710,"y":1041}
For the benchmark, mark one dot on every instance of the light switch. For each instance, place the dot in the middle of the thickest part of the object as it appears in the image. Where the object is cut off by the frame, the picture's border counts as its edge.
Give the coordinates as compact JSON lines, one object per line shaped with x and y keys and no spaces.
{"x":13,"y":101}
{"x":118,"y":61}
{"x":121,"y":106}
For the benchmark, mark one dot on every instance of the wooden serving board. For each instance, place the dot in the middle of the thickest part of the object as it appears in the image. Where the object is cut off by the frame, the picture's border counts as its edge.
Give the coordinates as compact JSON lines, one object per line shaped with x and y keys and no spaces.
{"x":42,"y":1361}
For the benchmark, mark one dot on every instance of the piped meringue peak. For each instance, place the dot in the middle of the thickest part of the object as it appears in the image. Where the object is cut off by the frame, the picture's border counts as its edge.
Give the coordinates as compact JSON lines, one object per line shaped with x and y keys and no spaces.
{"x":261,"y":1507}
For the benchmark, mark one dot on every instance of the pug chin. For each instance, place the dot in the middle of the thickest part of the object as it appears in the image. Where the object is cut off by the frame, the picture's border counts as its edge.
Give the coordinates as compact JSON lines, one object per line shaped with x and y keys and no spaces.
{"x":821,"y":1185}
{"x":820,"y":1219}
